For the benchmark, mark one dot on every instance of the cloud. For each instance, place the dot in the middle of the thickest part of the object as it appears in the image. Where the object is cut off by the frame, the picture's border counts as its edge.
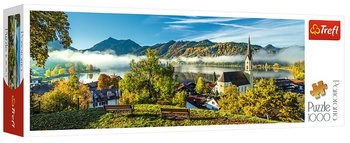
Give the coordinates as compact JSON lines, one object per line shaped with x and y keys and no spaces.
{"x":180,"y":28}
{"x":200,"y":20}
{"x":281,"y":33}
{"x":237,"y":25}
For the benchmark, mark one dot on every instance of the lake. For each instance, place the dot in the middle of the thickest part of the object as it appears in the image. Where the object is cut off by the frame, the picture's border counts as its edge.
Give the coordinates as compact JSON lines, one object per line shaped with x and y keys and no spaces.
{"x":193,"y":72}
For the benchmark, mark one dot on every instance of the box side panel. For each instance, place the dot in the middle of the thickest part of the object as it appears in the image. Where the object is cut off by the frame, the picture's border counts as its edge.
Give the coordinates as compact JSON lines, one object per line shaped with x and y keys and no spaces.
{"x":13,"y":71}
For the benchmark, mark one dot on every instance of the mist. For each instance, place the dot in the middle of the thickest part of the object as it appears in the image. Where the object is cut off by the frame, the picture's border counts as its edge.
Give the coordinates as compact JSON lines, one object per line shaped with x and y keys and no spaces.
{"x":288,"y":55}
{"x":107,"y":60}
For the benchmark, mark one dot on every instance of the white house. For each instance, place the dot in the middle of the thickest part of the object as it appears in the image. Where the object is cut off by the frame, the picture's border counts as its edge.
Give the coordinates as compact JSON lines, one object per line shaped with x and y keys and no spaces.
{"x":99,"y":98}
{"x":212,"y":104}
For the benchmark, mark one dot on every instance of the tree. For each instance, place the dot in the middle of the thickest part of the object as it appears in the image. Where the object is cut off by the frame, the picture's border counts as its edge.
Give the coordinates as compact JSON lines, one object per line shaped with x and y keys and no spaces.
{"x":298,"y":70}
{"x":104,"y":82}
{"x":114,"y":82}
{"x":89,"y":67}
{"x":180,"y":99}
{"x":73,"y":82}
{"x":68,"y":65}
{"x":149,"y":81}
{"x":127,"y":98}
{"x":58,"y":66}
{"x":57,"y":99}
{"x":214,"y":77}
{"x":54,"y":72}
{"x":229,"y":101}
{"x":292,"y":107}
{"x":200,"y":87}
{"x":46,"y":26}
{"x":62,"y":71}
{"x":267,"y":100}
{"x":34,"y":103}
{"x":48,"y":73}
{"x":35,"y":73}
{"x":276,"y":65}
{"x":71,"y":70}
{"x":84,"y":96}
{"x":65,"y":96}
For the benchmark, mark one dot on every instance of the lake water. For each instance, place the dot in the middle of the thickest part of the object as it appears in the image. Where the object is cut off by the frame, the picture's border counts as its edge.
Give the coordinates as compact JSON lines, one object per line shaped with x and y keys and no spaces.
{"x":193,"y":72}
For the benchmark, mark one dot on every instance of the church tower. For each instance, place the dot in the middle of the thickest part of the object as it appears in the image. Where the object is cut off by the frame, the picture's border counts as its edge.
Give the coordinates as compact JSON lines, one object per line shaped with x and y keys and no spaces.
{"x":248,"y":67}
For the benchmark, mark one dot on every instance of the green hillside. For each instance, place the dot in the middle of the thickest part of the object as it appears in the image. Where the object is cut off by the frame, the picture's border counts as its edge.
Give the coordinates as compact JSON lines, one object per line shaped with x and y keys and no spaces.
{"x":145,"y":115}
{"x":205,"y":48}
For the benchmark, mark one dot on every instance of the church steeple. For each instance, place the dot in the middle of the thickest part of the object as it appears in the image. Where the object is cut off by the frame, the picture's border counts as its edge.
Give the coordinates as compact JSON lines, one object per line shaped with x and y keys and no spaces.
{"x":248,"y":63}
{"x":249,"y":54}
{"x":248,"y":58}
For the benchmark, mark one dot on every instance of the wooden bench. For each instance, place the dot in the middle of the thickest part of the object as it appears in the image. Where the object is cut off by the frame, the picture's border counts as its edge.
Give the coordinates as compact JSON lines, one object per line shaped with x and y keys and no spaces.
{"x":166,"y":112}
{"x":115,"y":108}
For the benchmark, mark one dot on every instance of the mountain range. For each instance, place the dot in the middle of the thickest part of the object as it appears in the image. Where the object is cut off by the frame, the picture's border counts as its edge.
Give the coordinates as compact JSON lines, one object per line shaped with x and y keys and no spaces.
{"x":173,"y":49}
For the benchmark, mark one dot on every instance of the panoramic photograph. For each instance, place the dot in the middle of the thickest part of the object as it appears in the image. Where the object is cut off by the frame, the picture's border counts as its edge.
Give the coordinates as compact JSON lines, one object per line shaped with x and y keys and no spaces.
{"x":110,"y":70}
{"x":14,"y":51}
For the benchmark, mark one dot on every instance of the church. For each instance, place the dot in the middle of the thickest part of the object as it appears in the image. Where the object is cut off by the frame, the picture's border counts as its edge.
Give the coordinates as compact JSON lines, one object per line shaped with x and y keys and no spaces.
{"x":242,"y":79}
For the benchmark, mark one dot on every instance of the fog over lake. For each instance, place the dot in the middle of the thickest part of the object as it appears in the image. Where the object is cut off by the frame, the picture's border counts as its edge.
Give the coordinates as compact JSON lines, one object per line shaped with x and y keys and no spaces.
{"x":111,"y":64}
{"x":192,"y":72}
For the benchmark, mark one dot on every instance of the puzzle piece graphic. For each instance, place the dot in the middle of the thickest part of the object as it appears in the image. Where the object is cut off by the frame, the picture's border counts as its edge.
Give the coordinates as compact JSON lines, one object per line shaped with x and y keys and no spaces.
{"x":318,"y":89}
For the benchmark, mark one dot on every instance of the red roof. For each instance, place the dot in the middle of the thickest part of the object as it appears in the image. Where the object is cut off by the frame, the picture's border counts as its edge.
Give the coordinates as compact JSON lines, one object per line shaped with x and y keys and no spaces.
{"x":196,"y":101}
{"x":296,"y":81}
{"x":211,"y":84}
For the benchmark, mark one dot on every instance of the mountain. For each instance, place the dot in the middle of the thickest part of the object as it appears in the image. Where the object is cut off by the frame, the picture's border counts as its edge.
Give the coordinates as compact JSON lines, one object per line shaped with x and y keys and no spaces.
{"x":204,"y":48}
{"x":57,"y":46}
{"x":174,"y":49}
{"x":271,"y":49}
{"x":120,"y":47}
{"x":168,"y":50}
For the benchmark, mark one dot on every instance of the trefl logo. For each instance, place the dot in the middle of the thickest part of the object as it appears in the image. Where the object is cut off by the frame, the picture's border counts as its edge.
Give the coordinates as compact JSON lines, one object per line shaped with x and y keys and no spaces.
{"x":324,"y":30}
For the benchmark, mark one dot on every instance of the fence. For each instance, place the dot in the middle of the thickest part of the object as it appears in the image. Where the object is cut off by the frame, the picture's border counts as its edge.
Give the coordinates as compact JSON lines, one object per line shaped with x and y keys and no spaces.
{"x":59,"y":107}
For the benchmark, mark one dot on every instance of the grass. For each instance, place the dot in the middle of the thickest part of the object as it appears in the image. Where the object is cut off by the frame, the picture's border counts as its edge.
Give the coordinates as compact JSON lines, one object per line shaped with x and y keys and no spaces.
{"x":145,"y":115}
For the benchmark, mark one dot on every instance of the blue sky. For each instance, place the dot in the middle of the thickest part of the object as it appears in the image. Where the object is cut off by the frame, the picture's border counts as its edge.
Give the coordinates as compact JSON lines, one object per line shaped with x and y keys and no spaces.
{"x":88,"y":29}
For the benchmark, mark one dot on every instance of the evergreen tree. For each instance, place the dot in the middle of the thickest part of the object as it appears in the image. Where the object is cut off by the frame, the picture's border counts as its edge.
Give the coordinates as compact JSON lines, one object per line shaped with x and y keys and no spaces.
{"x":214,"y":78}
{"x":200,"y":87}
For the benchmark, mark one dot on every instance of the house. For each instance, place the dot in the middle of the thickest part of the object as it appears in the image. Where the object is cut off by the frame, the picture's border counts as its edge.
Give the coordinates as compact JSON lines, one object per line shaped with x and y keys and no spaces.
{"x":188,"y":87}
{"x":35,"y":81}
{"x":212,"y":103}
{"x":195,"y":102}
{"x":42,"y":88}
{"x":292,"y":85}
{"x":99,"y":98}
{"x":92,"y":85}
{"x":211,"y":85}
{"x":242,"y":79}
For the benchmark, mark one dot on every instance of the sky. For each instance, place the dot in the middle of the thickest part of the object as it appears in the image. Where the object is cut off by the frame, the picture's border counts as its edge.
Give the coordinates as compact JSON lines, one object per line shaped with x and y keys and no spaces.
{"x":88,"y":29}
